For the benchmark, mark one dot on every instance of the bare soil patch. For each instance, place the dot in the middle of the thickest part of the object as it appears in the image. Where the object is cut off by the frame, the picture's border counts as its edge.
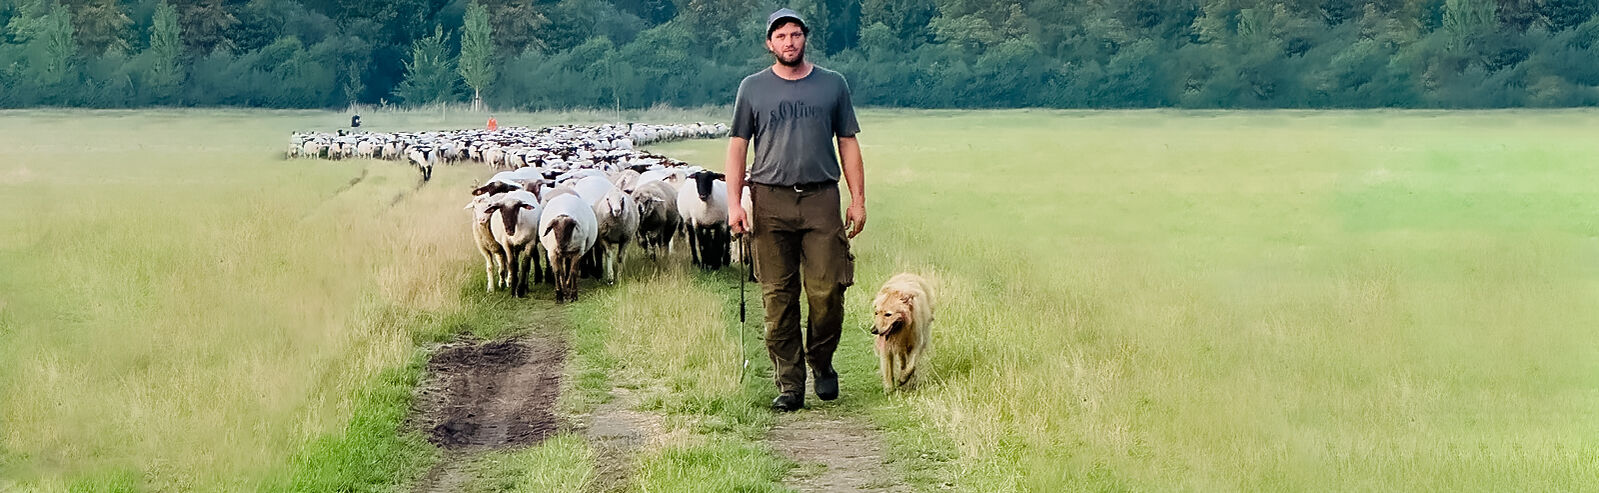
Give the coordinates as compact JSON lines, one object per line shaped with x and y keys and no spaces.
{"x":491,"y":395}
{"x":836,"y":454}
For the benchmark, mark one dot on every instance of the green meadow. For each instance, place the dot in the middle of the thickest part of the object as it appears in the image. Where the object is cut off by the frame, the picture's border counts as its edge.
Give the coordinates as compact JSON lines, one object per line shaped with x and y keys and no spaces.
{"x":1138,"y":300}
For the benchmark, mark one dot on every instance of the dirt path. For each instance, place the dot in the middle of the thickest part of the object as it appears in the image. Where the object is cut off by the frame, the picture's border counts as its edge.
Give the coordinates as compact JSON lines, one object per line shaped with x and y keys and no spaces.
{"x":835,"y":453}
{"x":619,"y":433}
{"x":485,"y":396}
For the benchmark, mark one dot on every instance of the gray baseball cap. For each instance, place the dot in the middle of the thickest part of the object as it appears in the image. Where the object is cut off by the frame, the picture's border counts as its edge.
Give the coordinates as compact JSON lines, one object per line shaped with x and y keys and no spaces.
{"x":785,"y":13}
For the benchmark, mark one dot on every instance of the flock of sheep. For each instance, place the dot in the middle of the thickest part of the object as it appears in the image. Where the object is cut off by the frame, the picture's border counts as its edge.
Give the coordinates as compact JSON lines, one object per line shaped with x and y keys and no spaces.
{"x":573,"y":196}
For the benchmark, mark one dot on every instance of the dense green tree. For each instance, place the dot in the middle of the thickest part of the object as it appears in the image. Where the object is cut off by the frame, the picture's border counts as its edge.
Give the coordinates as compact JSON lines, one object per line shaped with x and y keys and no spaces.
{"x":477,"y":51}
{"x":165,"y":47}
{"x":100,"y":25}
{"x":926,"y":53}
{"x":430,"y":76}
{"x":205,"y":25}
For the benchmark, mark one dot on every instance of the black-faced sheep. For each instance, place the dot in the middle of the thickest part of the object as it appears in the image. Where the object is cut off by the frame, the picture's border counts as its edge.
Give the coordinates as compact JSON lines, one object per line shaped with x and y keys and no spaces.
{"x":658,"y":216}
{"x":515,"y":223}
{"x":567,"y":230}
{"x":702,"y":202}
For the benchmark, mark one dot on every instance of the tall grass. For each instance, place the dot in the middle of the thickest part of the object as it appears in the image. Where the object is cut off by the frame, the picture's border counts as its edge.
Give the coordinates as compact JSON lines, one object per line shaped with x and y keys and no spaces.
{"x":180,"y":309}
{"x":1129,"y":300}
{"x":1256,"y":300}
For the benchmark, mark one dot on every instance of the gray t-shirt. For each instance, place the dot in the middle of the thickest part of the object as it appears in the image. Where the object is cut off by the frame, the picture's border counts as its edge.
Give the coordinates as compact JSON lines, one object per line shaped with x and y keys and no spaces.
{"x":793,"y":123}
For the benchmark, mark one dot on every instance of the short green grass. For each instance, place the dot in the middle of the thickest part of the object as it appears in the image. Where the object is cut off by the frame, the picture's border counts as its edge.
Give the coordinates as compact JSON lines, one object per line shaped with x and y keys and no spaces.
{"x":564,"y":463}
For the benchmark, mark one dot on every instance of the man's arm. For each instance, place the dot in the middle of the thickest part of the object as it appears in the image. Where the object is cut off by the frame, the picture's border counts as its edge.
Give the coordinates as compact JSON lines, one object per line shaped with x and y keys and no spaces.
{"x":849,"y":150}
{"x":737,"y":150}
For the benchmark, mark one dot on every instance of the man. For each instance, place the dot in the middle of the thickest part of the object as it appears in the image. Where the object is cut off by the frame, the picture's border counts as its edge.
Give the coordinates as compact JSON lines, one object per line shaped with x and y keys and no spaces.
{"x":794,"y":111}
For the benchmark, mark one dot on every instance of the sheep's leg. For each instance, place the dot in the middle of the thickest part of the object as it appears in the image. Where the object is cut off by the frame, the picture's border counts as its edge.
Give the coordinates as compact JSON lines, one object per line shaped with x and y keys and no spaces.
{"x":694,"y":245}
{"x":489,"y":271}
{"x":568,"y":280}
{"x":538,"y":263}
{"x":621,"y":258}
{"x":502,"y":269}
{"x":525,"y":263}
{"x":549,"y":270}
{"x":514,"y":260}
{"x":594,"y":262}
{"x":611,"y":258}
{"x":724,"y":243}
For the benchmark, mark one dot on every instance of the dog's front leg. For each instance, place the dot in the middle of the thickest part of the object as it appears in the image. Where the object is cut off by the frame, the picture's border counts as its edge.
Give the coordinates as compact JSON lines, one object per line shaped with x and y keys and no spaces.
{"x":901,"y":363}
{"x":908,"y":370}
{"x":886,"y":366}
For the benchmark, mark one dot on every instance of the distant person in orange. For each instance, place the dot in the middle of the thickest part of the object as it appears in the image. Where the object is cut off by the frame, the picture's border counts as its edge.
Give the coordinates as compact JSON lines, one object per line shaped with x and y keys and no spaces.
{"x":493,"y":124}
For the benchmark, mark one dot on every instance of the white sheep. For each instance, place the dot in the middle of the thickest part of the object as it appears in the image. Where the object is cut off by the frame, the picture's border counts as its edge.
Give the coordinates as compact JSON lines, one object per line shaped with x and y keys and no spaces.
{"x":618,"y":223}
{"x":494,"y":264}
{"x":625,"y":179}
{"x":567,"y":230}
{"x":658,"y":216}
{"x":515,"y":223}
{"x":593,"y":188}
{"x":703,"y":205}
{"x":424,"y":157}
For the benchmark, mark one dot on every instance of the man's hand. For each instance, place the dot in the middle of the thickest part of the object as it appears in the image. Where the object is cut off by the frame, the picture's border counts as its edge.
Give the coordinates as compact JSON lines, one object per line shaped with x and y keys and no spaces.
{"x":855,"y":218}
{"x":736,"y":219}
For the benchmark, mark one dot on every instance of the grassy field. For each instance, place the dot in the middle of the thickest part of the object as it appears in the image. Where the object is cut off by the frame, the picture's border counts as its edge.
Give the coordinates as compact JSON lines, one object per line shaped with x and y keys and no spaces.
{"x":1129,"y":300}
{"x":1257,"y":301}
{"x":180,"y":309}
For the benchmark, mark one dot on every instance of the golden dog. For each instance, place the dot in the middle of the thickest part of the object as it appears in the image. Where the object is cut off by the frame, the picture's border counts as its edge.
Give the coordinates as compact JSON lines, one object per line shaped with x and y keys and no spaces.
{"x":901,"y":315}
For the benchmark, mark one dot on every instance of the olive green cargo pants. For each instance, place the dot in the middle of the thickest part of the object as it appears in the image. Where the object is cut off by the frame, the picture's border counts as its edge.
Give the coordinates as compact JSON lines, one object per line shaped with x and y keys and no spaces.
{"x":798,"y":234}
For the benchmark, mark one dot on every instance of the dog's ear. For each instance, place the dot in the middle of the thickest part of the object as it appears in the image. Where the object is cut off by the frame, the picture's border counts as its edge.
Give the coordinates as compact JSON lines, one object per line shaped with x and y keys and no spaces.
{"x":904,"y":298}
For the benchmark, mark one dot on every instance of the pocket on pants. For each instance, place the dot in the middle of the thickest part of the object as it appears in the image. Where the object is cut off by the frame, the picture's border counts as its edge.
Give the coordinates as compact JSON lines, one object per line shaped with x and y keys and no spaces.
{"x":846,"y":268}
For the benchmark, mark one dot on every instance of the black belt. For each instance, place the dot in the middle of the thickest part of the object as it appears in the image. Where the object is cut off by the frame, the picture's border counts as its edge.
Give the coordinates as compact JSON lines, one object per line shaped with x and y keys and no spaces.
{"x":803,"y":187}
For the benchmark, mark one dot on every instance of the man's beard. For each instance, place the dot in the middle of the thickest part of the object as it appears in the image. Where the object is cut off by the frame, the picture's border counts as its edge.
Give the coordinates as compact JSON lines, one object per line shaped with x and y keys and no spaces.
{"x":799,"y":58}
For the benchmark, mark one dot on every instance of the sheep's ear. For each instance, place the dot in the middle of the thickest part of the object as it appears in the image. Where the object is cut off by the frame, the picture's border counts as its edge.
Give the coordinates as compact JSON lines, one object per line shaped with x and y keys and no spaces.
{"x":480,"y":190}
{"x":526,"y":205}
{"x":470,"y":204}
{"x":715,"y":175}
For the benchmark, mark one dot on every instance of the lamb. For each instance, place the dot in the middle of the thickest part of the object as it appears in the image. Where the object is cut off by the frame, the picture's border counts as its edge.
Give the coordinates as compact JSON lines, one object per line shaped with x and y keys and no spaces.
{"x":515,"y":228}
{"x":704,"y":209}
{"x":658,"y":216}
{"x":567,"y":230}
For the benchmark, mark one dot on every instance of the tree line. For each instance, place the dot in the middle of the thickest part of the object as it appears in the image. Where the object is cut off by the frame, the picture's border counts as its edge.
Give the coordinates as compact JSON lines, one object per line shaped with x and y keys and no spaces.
{"x":544,"y":54}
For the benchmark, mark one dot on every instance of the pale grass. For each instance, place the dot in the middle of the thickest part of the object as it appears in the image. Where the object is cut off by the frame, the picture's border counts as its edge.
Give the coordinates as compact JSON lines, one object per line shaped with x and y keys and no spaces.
{"x":183,"y":308}
{"x":671,"y":332}
{"x":1245,"y":300}
{"x":1143,"y":300}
